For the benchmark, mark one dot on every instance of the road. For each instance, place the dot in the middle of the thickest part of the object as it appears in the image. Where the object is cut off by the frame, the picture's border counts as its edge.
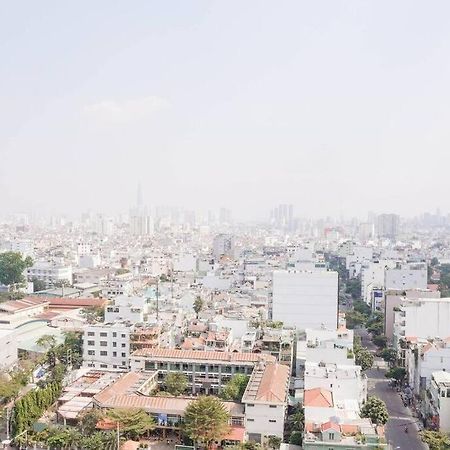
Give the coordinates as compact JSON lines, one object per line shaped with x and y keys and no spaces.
{"x":399,"y":416}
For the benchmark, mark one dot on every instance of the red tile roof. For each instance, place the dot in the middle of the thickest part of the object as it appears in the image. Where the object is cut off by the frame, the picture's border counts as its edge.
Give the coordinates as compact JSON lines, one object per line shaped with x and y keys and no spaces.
{"x":318,"y":397}
{"x":202,"y":355}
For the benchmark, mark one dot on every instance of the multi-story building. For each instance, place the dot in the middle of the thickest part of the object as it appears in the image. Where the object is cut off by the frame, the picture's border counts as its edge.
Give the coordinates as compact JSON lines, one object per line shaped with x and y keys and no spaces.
{"x":406,"y":276}
{"x":265,"y":400}
{"x":207,"y":371}
{"x":388,"y":225}
{"x":133,"y":309}
{"x":437,"y":402}
{"x":223,"y":245}
{"x":50,"y":272}
{"x":305,"y":299}
{"x":119,"y":284}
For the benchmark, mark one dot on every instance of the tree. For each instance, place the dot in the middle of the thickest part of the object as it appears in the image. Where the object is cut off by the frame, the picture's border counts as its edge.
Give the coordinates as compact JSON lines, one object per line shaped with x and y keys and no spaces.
{"x":175,"y":383}
{"x":354,"y":319}
{"x":274,"y":442}
{"x":198,"y":305}
{"x":363,"y":358}
{"x":397,"y":373}
{"x":353,"y":288}
{"x":435,"y":440}
{"x":93,"y":314}
{"x":46,"y":341}
{"x":38,"y":285}
{"x":389,"y":355}
{"x":206,"y":420}
{"x":12,"y":266}
{"x":380,"y":341}
{"x":235,"y":388}
{"x":296,"y":438}
{"x":89,"y":419}
{"x":375,"y":409}
{"x":133,"y":422}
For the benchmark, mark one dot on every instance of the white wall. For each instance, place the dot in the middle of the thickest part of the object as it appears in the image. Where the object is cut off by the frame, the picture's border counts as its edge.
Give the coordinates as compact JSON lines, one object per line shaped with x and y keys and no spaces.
{"x":265,"y":420}
{"x":305,"y":299}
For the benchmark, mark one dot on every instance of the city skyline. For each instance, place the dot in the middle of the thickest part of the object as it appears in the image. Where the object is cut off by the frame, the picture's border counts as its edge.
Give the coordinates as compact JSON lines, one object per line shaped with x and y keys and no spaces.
{"x":335,"y":108}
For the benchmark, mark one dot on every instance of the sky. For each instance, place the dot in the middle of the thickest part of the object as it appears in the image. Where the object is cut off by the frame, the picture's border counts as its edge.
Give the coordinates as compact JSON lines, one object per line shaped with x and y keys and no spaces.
{"x":338,"y":107}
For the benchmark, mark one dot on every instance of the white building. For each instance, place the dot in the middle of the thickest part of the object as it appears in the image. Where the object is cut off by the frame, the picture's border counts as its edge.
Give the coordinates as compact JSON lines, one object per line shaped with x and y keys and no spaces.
{"x":265,"y":401}
{"x":50,"y":272}
{"x":223,"y":245}
{"x":438,"y":400}
{"x":107,"y":345}
{"x":422,"y":318}
{"x":407,"y":276}
{"x":132,"y":309}
{"x":8,"y":349}
{"x":306,"y":299}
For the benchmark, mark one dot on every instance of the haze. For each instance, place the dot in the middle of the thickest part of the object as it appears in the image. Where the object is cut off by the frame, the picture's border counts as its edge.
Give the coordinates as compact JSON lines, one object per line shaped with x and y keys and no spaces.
{"x":335,"y":107}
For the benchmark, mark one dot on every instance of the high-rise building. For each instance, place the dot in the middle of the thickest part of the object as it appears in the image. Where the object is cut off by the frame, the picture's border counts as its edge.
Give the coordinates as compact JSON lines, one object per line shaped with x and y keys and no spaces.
{"x":388,"y":225}
{"x":282,"y":216}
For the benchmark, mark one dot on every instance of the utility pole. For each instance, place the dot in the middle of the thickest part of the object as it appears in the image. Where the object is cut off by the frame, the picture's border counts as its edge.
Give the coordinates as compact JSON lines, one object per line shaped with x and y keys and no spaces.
{"x":118,"y":436}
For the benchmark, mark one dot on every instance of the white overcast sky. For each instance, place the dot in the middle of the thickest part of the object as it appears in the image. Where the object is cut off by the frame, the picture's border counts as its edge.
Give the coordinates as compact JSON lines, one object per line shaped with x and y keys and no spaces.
{"x":334,"y":106}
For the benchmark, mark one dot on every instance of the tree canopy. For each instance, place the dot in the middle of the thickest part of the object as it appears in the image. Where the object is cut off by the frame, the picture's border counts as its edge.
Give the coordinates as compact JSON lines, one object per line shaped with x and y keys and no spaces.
{"x":198,"y":305}
{"x":435,"y":440}
{"x":235,"y":388}
{"x":363,"y":358}
{"x":175,"y":383}
{"x":206,"y":420}
{"x":12,"y":266}
{"x":133,"y":422}
{"x":375,"y":409}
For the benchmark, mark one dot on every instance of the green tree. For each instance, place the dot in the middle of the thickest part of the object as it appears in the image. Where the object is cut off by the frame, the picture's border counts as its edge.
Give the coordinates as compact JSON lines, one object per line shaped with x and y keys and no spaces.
{"x":47,"y":341}
{"x":198,"y":305}
{"x":38,"y":285}
{"x":363,"y":358}
{"x":93,"y":314}
{"x":235,"y":388}
{"x":354,"y":319}
{"x":175,"y":383}
{"x":389,"y":355}
{"x":12,"y":266}
{"x":88,"y":421}
{"x":380,"y":341}
{"x":296,"y":438}
{"x":353,"y":288}
{"x":435,"y":440}
{"x":206,"y":420}
{"x":397,"y":373}
{"x":274,"y":442}
{"x":375,"y":409}
{"x":133,"y":422}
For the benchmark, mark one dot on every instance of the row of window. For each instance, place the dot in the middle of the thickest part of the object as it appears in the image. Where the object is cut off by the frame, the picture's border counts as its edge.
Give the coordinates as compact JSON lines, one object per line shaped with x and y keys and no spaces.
{"x":270,"y":420}
{"x":105,"y":334}
{"x":105,"y":353}
{"x":105,"y":344}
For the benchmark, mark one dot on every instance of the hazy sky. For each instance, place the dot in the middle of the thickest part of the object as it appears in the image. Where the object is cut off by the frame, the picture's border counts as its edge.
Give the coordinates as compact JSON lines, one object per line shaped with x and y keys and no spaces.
{"x":334,"y":106}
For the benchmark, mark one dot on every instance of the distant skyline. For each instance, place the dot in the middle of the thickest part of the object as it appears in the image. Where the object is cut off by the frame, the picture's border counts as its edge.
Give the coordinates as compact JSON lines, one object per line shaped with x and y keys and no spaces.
{"x":334,"y":107}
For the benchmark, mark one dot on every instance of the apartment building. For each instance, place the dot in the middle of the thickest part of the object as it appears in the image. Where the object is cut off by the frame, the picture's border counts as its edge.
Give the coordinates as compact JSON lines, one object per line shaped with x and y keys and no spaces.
{"x":127,"y":308}
{"x":305,"y":299}
{"x":437,"y":402}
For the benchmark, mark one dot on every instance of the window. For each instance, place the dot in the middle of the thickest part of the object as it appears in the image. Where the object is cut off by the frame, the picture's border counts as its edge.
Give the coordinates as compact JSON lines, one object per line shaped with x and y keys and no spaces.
{"x":250,"y":405}
{"x":124,"y":345}
{"x":91,"y":342}
{"x":103,"y":334}
{"x":272,"y":406}
{"x":124,"y":355}
{"x":331,"y":436}
{"x":250,"y":420}
{"x":272,"y":421}
{"x":124,"y":363}
{"x":124,"y":335}
{"x":91,"y":352}
{"x":114,"y":334}
{"x":91,"y":333}
{"x":114,"y":353}
{"x":104,"y":366}
{"x":114,"y":344}
{"x":103,"y":343}
{"x":103,"y":353}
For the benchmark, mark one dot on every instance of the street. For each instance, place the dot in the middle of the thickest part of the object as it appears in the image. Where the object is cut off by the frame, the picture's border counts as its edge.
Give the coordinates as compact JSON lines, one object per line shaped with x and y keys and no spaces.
{"x":399,"y":415}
